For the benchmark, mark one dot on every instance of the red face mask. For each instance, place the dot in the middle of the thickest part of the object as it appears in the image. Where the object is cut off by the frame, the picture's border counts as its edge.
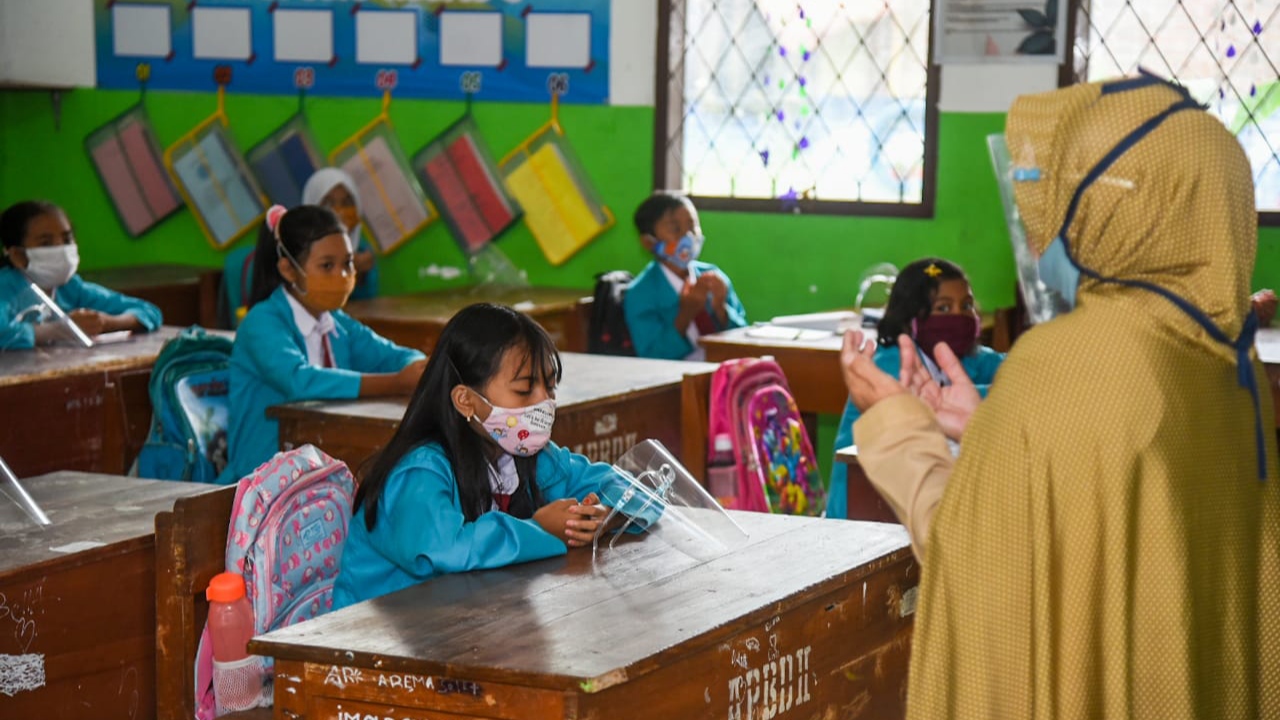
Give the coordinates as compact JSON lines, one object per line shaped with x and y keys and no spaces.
{"x":959,"y":332}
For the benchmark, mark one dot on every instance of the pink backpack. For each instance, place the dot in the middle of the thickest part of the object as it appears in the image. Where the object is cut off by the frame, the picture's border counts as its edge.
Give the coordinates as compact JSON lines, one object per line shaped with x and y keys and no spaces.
{"x":288,"y":526}
{"x":772,"y":458}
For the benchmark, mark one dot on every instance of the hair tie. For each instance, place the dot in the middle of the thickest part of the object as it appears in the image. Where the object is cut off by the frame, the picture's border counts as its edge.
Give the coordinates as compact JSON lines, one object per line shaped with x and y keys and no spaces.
{"x":274,"y":213}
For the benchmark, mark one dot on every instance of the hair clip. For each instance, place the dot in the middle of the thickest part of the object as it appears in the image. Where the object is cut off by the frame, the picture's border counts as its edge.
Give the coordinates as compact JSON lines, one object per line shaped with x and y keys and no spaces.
{"x":274,"y":214}
{"x":933,"y":270}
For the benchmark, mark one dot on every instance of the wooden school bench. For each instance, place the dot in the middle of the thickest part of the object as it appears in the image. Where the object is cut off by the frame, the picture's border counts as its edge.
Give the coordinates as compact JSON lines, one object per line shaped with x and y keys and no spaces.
{"x":864,"y":501}
{"x":72,"y":408}
{"x":416,"y":320}
{"x":77,"y":598}
{"x":605,"y":405}
{"x":191,"y":543}
{"x":186,"y":294}
{"x":811,"y":618}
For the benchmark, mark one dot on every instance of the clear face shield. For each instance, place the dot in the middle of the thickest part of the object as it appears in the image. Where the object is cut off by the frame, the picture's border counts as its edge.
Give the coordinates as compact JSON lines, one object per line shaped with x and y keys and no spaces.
{"x":1043,"y":302}
{"x":11,"y":488}
{"x":656,"y":494}
{"x":873,"y":292}
{"x":34,"y":305}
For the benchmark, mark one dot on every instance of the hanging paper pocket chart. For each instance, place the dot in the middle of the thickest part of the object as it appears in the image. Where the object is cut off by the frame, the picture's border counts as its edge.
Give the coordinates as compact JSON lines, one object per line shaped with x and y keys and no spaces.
{"x":394,"y":205}
{"x":561,"y":207}
{"x":127,"y":158}
{"x":284,"y":160}
{"x":215,"y":180}
{"x":463,"y":180}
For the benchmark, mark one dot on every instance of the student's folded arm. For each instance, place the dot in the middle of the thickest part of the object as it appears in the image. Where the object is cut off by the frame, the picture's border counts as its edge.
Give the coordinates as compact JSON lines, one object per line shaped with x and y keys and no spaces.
{"x":372,"y":353}
{"x":574,"y":475}
{"x":425,"y":532}
{"x":284,"y":367}
{"x":17,"y":335}
{"x":82,"y":294}
{"x":736,"y":313}
{"x":653,"y":332}
{"x":906,"y":458}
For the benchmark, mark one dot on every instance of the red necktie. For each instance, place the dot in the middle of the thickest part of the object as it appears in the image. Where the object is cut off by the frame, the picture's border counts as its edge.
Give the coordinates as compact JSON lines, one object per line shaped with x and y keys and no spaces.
{"x":327,"y":350}
{"x":503,"y":500}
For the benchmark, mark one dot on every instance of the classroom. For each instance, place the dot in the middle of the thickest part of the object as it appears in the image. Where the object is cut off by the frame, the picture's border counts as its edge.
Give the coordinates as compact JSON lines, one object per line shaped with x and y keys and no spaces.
{"x":432,"y":281}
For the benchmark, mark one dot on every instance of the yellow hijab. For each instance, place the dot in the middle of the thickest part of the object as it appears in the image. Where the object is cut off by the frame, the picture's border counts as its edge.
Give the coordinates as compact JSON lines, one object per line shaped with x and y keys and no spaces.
{"x":1104,"y":548}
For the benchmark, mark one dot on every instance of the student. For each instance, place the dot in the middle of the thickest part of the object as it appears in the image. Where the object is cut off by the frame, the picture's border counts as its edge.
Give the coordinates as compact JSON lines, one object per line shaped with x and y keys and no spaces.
{"x":40,"y":247}
{"x":296,"y":343}
{"x":471,"y":479}
{"x":931,"y":302}
{"x":676,"y":299}
{"x":332,"y":188}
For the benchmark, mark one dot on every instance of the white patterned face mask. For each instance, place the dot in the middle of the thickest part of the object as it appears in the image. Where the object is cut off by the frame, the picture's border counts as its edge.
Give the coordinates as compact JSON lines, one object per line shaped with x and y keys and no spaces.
{"x":520,"y":431}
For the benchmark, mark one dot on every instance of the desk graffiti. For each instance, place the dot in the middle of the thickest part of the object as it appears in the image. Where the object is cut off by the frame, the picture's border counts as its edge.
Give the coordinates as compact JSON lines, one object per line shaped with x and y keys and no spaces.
{"x":22,"y":612}
{"x":607,"y":449}
{"x":772,"y":688}
{"x":342,"y":676}
{"x":408,"y":683}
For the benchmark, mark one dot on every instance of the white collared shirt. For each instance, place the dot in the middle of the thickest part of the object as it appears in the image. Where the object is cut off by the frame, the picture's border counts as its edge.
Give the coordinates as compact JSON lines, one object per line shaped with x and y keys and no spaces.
{"x":691,"y":332}
{"x":313,"y":329}
{"x":503,"y":479}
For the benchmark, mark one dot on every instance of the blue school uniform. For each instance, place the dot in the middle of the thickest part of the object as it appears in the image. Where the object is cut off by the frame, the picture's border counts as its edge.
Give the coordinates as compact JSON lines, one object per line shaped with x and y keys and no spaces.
{"x":367,"y":282}
{"x":651,"y":306}
{"x":422,"y":532}
{"x":15,"y":298}
{"x":269,"y":366}
{"x":980,"y":365}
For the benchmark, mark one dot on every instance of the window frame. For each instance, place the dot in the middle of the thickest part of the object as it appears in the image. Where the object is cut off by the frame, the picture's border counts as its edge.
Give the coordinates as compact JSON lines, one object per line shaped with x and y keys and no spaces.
{"x":666,"y":116}
{"x":1067,"y":77}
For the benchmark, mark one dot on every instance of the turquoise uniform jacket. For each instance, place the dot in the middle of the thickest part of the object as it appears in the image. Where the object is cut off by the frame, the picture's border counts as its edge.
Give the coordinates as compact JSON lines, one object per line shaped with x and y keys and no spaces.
{"x":651,"y":306}
{"x":15,"y":299}
{"x":980,"y":365}
{"x":269,"y":366}
{"x":422,"y":532}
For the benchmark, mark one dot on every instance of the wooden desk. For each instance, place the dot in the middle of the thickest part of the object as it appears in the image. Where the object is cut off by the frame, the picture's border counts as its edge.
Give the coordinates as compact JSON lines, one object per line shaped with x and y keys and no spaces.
{"x":811,"y":619}
{"x":605,"y":405}
{"x":186,"y":294}
{"x":864,"y":501}
{"x":416,"y":320}
{"x":77,"y":598}
{"x":71,"y":408}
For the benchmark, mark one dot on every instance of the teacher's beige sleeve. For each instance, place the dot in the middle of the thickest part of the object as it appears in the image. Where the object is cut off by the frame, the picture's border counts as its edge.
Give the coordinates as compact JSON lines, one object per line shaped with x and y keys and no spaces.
{"x":905,"y":455}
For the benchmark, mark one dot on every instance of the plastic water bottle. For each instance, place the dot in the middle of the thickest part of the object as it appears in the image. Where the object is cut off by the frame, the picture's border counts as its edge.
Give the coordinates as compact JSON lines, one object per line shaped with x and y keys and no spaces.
{"x":722,"y":476}
{"x":230,"y":617}
{"x":237,"y":676}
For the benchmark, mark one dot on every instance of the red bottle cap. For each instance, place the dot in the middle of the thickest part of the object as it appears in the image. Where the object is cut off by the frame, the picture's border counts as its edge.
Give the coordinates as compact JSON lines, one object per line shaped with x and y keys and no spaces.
{"x":225,"y":587}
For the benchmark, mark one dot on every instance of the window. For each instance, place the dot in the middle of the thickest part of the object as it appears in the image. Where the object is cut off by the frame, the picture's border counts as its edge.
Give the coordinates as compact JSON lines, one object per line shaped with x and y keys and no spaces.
{"x":1225,"y":52}
{"x":778,"y":105}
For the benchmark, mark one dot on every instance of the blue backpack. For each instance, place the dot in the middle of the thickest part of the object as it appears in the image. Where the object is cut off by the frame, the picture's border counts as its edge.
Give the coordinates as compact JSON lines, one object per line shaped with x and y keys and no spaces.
{"x":188,"y":388}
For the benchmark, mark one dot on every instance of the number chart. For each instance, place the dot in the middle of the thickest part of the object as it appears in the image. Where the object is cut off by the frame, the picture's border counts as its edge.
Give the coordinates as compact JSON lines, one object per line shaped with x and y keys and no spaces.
{"x":498,"y":50}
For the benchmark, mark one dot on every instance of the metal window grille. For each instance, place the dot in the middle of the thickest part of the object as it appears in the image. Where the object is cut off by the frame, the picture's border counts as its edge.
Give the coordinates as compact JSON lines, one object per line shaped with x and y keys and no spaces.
{"x":1226,"y":52}
{"x":775,"y":105}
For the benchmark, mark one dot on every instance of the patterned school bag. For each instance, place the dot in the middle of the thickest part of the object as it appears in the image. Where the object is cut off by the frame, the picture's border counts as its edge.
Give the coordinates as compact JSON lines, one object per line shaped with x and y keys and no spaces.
{"x":189,"y":390}
{"x":772,"y":458}
{"x":288,"y":527}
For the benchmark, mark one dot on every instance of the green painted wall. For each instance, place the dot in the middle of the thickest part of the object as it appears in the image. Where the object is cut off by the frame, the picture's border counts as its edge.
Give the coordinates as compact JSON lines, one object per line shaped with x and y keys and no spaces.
{"x":781,"y":263}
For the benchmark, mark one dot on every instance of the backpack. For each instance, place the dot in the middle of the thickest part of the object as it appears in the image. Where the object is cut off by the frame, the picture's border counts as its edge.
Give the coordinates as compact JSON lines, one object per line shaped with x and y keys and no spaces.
{"x":771,"y":455}
{"x":288,"y":527}
{"x":188,"y":388}
{"x":607,"y":332}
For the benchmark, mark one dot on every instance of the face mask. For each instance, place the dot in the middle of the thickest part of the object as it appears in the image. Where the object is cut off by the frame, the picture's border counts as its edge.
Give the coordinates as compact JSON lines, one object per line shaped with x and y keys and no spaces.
{"x":680,"y":252}
{"x":520,"y":431}
{"x":1058,"y":273}
{"x":959,"y":332}
{"x":52,"y":267}
{"x":325,"y":293}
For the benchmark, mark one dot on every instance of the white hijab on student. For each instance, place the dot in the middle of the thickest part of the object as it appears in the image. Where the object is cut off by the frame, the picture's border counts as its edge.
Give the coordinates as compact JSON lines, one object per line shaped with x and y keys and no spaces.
{"x":319,"y":185}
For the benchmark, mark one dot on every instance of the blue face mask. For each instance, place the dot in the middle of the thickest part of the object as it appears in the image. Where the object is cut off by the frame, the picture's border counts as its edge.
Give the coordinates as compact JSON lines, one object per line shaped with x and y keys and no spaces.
{"x":681,"y":252}
{"x":1058,"y":273}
